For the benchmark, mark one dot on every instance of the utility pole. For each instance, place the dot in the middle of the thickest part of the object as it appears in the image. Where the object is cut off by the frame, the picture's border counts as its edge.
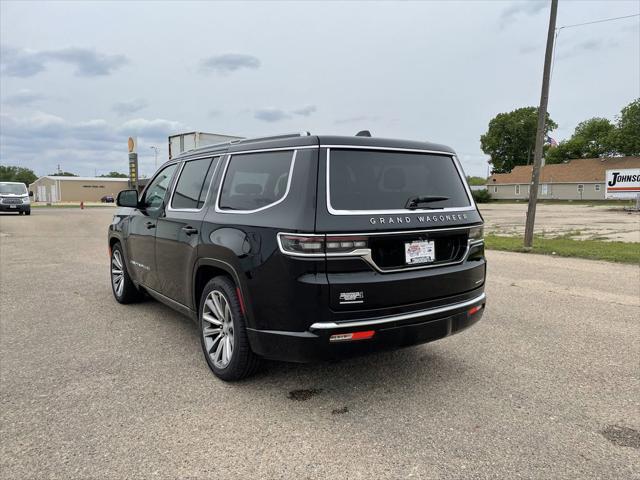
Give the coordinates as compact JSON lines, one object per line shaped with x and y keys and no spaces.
{"x":542,"y":116}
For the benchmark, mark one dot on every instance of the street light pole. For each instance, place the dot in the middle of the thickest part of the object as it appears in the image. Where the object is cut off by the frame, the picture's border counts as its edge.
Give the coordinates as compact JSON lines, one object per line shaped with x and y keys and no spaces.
{"x":542,"y":114}
{"x":155,"y":149}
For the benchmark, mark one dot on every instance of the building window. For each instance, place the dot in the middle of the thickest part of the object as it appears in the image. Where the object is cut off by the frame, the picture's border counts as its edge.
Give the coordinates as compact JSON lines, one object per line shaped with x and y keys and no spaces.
{"x":545,"y":189}
{"x":580,"y":188}
{"x":597,"y":187}
{"x":495,"y":189}
{"x":517,"y":189}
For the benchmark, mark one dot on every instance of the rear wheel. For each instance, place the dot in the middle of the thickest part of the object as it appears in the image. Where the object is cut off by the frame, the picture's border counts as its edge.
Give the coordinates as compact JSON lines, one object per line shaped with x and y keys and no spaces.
{"x":123,"y":288}
{"x":223,"y":332}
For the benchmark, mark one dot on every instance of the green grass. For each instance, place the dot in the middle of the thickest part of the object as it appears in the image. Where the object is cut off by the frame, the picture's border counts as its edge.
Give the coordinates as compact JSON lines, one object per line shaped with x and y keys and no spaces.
{"x":610,"y":203}
{"x":621,"y":252}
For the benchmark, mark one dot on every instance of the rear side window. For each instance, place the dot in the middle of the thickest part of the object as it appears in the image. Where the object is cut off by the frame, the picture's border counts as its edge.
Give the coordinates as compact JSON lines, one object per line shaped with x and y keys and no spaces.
{"x":256,"y":180}
{"x":191,"y":188}
{"x":383,"y":180}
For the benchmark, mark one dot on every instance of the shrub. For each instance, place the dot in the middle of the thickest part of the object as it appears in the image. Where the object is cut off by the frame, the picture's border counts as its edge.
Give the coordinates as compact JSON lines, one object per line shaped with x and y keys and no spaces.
{"x":481,"y":196}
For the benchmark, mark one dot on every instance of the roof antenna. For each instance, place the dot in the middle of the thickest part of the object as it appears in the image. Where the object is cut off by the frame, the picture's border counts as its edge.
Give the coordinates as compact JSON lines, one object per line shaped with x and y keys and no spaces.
{"x":363,"y":133}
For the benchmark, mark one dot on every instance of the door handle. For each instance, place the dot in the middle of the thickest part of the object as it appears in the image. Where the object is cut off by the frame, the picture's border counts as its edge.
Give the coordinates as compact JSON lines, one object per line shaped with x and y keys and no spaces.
{"x":189,"y":230}
{"x":150,"y":225}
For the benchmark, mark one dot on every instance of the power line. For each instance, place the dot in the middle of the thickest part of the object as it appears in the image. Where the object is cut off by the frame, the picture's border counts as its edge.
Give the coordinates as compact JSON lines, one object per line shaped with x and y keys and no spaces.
{"x":557,"y":33}
{"x":598,"y":21}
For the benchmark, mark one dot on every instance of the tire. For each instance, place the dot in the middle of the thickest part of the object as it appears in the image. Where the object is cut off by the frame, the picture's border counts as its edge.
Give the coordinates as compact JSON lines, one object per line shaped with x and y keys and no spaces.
{"x":27,"y":212}
{"x":20,"y":212}
{"x":123,"y":289}
{"x":221,"y":321}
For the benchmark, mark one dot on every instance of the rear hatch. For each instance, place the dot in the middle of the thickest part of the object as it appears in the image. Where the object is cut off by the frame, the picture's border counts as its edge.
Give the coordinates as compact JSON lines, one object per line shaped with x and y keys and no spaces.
{"x":397,"y":226}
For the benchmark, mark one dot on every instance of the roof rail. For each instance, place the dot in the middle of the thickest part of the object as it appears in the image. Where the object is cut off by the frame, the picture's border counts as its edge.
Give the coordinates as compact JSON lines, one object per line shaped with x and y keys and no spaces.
{"x":274,"y":137}
{"x":247,"y":140}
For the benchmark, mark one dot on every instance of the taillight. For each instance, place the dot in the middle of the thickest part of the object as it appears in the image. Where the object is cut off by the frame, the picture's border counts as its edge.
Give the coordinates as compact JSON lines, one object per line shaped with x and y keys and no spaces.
{"x":319,"y":245}
{"x":476,"y":233}
{"x":344,"y":244}
{"x":302,"y":244}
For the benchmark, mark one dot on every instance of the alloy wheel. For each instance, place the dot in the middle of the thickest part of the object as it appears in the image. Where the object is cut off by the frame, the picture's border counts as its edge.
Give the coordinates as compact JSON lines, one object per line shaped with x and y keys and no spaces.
{"x":217,"y":329}
{"x":117,"y":273}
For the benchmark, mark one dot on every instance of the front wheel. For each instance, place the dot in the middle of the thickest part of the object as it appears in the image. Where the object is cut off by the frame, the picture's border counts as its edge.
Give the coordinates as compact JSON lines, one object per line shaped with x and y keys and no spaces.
{"x":223,"y":332}
{"x":27,"y":212}
{"x":123,"y":288}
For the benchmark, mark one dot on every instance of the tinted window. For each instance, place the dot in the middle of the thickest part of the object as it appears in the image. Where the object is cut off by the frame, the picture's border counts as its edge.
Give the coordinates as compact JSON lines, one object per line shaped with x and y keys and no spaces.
{"x":155,"y":193}
{"x":255,"y":180}
{"x":376,"y":180}
{"x":191,"y":188}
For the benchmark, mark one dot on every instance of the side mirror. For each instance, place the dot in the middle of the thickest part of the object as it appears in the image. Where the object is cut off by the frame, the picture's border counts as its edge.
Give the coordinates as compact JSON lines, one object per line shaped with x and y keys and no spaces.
{"x":127,"y":198}
{"x":30,"y":193}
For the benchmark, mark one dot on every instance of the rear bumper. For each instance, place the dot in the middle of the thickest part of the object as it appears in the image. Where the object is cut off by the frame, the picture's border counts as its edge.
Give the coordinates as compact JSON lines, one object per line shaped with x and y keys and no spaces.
{"x":391,"y":332}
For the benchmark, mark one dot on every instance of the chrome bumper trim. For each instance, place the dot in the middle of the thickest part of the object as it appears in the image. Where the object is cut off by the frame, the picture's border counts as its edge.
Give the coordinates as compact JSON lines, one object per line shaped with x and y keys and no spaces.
{"x":397,"y":318}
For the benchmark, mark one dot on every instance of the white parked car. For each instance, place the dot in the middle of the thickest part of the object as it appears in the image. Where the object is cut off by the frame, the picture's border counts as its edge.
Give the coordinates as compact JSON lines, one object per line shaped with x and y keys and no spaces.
{"x":14,"y":197}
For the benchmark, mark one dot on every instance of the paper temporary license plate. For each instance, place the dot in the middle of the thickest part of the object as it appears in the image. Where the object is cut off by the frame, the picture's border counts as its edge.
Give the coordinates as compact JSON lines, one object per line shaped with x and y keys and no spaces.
{"x":419,"y":252}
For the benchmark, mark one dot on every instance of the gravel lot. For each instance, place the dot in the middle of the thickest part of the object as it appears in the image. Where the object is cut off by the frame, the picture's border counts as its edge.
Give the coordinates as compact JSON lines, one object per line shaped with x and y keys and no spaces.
{"x":598,"y":222}
{"x":547,"y":385}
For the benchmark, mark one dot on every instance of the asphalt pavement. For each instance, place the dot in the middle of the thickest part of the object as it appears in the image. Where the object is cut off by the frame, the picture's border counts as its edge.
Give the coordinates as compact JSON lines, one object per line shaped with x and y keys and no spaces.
{"x":547,"y":385}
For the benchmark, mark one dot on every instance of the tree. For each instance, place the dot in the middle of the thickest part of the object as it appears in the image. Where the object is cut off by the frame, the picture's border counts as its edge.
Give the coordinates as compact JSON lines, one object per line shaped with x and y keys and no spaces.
{"x":63,"y":174}
{"x":627,"y":135}
{"x":511,"y":137}
{"x":592,"y":138}
{"x":115,"y":175}
{"x":476,"y":180}
{"x":17,"y":174}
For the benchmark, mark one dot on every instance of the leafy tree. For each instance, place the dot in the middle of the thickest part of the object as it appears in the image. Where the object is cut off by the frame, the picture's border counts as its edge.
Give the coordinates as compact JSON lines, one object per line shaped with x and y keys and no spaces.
{"x":63,"y":174}
{"x":627,"y":135}
{"x":115,"y":175}
{"x":476,"y":180}
{"x":510,"y":138}
{"x":592,"y":138}
{"x":17,"y":174}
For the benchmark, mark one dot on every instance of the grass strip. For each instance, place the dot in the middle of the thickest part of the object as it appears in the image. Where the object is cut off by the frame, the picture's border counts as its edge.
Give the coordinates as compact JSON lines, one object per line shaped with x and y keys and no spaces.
{"x":621,"y":252}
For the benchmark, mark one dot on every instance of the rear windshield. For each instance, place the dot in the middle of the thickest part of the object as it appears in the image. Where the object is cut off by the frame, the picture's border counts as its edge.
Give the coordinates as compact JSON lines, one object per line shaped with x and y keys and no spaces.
{"x":381,"y":180}
{"x":13,"y":188}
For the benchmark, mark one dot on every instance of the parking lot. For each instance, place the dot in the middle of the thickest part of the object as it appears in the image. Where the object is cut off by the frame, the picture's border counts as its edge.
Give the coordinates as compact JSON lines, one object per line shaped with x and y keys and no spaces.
{"x":608,"y":222}
{"x":547,"y":385}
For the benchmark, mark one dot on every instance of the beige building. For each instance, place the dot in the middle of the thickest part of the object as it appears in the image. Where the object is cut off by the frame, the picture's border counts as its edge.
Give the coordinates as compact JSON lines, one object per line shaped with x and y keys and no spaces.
{"x":581,"y":179}
{"x":76,"y":189}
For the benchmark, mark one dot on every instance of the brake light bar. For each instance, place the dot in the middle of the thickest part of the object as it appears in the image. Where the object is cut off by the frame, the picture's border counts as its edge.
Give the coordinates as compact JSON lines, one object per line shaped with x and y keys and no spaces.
{"x":319,"y":245}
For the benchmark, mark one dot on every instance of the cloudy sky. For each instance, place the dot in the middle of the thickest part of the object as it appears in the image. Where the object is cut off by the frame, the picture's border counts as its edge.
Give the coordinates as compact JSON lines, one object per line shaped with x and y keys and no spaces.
{"x":78,"y":78}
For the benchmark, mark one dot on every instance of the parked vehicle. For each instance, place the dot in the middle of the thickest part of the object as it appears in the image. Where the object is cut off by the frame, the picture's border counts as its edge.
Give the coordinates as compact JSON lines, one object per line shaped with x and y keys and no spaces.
{"x":303,"y":247}
{"x":107,"y":199}
{"x":14,"y":197}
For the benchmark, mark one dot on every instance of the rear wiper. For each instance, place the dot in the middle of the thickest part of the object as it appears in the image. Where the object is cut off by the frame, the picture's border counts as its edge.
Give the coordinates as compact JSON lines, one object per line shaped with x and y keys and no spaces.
{"x":413,"y":202}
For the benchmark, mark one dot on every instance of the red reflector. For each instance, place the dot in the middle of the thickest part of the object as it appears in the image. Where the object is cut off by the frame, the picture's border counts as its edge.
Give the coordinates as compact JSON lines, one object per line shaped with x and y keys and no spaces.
{"x":349,"y":337}
{"x":475,"y":309}
{"x":239,"y":293}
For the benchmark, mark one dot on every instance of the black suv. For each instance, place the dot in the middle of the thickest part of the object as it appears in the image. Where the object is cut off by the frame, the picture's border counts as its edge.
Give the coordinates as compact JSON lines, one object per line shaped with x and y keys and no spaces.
{"x":302,"y":247}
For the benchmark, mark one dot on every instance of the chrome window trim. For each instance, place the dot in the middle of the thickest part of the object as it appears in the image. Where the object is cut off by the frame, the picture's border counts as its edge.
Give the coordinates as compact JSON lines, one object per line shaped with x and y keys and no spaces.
{"x":397,"y":318}
{"x":275,"y":149}
{"x":280,"y":200}
{"x":143,"y":194}
{"x":173,"y":191}
{"x":456,"y":164}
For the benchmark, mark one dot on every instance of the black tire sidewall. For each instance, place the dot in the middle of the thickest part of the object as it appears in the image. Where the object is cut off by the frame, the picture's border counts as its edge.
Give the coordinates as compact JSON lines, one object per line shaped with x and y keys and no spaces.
{"x":237,"y":367}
